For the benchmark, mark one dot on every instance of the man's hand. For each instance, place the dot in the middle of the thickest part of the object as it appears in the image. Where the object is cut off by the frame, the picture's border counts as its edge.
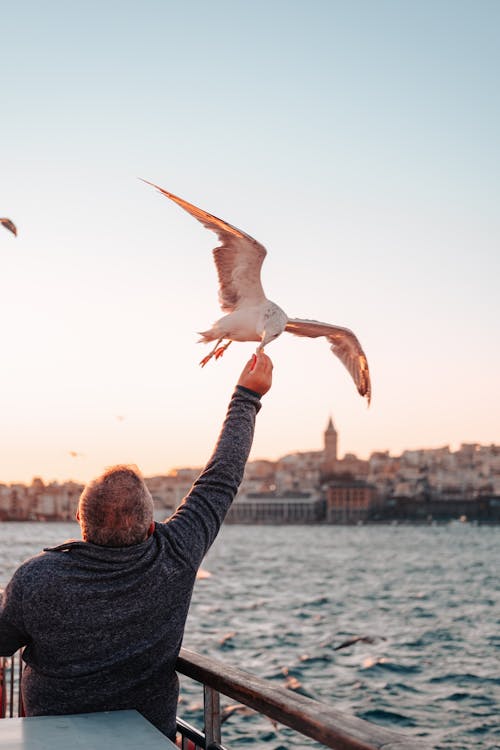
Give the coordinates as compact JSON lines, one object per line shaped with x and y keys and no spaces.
{"x":257,"y":374}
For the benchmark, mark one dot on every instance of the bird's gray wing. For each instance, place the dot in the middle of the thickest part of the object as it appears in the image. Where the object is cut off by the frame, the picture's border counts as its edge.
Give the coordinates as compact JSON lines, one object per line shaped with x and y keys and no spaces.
{"x":8,"y":224}
{"x":238,"y":258}
{"x":343,"y":343}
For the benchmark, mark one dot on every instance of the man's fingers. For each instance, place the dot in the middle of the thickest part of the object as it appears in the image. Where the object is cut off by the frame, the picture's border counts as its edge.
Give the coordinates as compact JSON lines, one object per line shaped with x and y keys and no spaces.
{"x":257,"y":373}
{"x":264,"y":361}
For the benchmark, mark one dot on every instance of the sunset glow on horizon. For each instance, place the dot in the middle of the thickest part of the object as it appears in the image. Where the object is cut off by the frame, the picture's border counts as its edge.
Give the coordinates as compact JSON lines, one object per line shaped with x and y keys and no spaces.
{"x":358,"y":142}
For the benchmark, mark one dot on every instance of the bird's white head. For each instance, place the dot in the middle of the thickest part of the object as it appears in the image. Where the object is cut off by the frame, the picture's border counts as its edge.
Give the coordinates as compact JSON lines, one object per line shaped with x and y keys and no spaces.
{"x":275,"y":320}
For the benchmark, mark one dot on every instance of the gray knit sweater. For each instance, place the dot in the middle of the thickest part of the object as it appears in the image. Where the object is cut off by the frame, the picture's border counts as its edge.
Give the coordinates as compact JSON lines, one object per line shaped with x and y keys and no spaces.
{"x":103,"y":626}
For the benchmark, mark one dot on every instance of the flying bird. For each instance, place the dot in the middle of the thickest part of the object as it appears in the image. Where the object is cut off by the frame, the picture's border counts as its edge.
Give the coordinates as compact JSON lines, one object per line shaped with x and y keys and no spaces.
{"x":250,"y":315}
{"x":8,"y":224}
{"x":357,"y":639}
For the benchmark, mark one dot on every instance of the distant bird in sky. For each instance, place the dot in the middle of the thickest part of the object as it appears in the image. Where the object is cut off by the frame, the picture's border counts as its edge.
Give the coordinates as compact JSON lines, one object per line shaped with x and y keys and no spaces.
{"x":8,"y":224}
{"x":75,"y":454}
{"x":250,"y":315}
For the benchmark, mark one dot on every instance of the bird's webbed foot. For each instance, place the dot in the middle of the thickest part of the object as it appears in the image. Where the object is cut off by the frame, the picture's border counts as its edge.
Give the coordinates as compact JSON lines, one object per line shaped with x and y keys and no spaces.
{"x":206,"y":359}
{"x":216,"y":352}
{"x":220,"y":350}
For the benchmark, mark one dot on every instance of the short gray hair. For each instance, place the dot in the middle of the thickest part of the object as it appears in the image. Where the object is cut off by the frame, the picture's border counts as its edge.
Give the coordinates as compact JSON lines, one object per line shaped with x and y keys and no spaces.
{"x":116,"y":509}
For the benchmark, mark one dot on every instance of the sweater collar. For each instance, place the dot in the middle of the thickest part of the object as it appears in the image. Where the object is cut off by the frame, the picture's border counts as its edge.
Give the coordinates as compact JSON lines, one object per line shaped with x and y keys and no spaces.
{"x":99,"y":552}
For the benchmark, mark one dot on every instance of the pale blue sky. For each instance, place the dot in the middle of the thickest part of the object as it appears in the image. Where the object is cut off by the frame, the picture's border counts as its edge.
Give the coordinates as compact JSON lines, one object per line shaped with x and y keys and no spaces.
{"x":357,"y":140}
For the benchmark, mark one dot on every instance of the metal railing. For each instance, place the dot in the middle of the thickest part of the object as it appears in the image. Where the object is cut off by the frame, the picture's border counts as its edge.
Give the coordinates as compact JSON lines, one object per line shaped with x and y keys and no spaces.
{"x":11,"y":701}
{"x":319,"y":721}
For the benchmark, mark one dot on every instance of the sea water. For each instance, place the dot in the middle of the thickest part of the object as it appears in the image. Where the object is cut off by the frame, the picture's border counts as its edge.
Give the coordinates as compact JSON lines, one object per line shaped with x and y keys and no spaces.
{"x":280,"y":600}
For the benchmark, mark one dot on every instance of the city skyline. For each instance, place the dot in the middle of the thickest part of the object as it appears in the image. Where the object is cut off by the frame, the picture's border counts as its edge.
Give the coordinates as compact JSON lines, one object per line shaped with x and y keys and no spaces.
{"x":314,"y":487}
{"x":357,"y":141}
{"x":342,"y":455}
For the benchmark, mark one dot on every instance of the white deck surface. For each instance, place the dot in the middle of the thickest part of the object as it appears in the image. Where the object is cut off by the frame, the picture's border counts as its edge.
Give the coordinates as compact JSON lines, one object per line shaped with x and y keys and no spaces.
{"x":110,"y":730}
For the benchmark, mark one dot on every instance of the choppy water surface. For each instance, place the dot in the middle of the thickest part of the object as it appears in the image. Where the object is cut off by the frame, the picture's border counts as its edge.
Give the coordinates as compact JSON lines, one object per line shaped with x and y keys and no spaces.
{"x":281,"y":599}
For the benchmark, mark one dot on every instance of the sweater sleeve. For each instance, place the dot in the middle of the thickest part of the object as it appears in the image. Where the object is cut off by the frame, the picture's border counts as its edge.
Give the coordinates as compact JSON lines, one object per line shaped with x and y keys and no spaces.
{"x":196,"y":522}
{"x":12,"y":633}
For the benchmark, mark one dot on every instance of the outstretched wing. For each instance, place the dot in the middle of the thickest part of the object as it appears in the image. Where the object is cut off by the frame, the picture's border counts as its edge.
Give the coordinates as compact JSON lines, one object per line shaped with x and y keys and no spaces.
{"x":238,"y":258}
{"x":8,"y":224}
{"x":343,"y":343}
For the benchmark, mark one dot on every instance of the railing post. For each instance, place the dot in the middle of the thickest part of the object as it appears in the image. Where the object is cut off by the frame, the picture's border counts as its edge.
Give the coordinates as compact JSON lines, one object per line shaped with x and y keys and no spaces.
{"x":11,"y":691}
{"x":211,"y":709}
{"x":3,"y":688}
{"x":20,"y":702}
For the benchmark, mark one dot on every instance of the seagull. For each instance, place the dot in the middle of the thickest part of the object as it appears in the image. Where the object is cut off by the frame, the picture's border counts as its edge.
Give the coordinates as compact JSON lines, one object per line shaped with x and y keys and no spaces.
{"x":250,"y":316}
{"x":357,"y":639}
{"x":8,"y":224}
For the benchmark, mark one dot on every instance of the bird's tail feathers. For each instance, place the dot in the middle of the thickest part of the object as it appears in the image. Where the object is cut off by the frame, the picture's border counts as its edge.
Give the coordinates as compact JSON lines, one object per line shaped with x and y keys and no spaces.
{"x":206,"y":336}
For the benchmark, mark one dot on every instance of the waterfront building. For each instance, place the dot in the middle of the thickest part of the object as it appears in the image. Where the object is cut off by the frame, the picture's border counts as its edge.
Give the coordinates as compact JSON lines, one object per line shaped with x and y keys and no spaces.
{"x":268,"y":507}
{"x":53,"y":501}
{"x":350,"y":500}
{"x":17,"y":503}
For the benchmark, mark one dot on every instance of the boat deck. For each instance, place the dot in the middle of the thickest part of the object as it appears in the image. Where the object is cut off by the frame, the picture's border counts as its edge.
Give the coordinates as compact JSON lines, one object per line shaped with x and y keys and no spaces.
{"x":113,"y":730}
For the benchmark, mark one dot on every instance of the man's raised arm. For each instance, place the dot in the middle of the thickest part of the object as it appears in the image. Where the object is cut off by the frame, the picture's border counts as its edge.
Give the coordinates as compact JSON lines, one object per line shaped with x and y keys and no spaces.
{"x":195,"y":524}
